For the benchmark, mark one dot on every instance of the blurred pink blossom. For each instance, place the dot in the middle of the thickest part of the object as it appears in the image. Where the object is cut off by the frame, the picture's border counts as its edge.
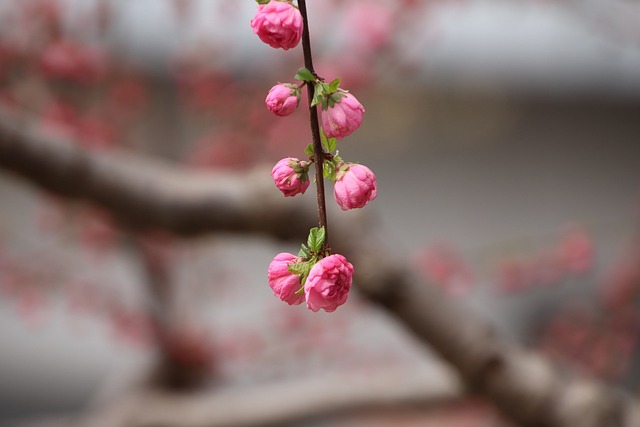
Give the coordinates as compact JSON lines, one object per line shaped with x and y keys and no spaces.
{"x":71,"y":60}
{"x":368,"y":28}
{"x":442,"y":265}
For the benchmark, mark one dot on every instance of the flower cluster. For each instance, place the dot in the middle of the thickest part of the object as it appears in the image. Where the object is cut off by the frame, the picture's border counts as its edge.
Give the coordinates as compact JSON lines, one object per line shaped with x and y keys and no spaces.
{"x":315,"y":275}
{"x":323,"y":283}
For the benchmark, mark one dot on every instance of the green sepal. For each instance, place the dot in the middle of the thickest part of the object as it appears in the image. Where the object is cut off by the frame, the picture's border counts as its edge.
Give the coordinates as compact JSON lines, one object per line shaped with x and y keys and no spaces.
{"x":316,"y":239}
{"x":344,"y":166}
{"x":294,"y":90}
{"x":301,"y":268}
{"x":305,"y":75}
{"x":299,"y":167}
{"x":309,"y":150}
{"x":325,"y":103}
{"x":337,"y":96}
{"x":329,"y":171}
{"x":262,"y":1}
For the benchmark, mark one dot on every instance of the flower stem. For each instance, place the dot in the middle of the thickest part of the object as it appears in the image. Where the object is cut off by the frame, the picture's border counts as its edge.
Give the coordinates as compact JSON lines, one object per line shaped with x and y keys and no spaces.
{"x":318,"y":152}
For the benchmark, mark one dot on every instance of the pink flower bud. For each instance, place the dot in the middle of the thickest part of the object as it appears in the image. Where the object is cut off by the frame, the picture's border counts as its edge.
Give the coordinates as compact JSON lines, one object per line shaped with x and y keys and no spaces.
{"x":282,"y":100}
{"x":291,"y":176}
{"x":284,"y":283}
{"x":328,"y":284}
{"x":278,"y":24}
{"x":355,"y":187}
{"x":343,"y":118}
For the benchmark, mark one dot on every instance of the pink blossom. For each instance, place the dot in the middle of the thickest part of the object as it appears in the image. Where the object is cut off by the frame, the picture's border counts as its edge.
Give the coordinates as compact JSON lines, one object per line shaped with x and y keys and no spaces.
{"x":443,"y":265}
{"x":328,"y":284}
{"x":355,"y":187}
{"x":68,"y":59}
{"x":278,"y":24}
{"x":284,"y":283}
{"x":369,"y":28}
{"x":291,"y":176}
{"x":224,"y":150}
{"x":575,"y":251}
{"x":343,"y":118}
{"x":282,"y":100}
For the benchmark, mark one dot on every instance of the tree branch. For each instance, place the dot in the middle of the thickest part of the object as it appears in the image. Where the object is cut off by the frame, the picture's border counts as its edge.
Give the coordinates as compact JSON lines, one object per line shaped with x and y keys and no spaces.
{"x":145,"y":194}
{"x":151,"y":195}
{"x":318,"y":151}
{"x":522,"y":384}
{"x":276,"y":404}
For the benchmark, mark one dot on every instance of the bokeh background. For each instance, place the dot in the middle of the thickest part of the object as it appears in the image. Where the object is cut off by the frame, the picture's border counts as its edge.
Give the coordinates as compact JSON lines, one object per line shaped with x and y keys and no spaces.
{"x":505,"y":136}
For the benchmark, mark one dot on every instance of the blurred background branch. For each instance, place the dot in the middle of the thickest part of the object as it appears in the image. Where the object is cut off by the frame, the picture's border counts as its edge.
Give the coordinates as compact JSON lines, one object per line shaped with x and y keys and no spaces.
{"x":522,"y":385}
{"x":147,"y":194}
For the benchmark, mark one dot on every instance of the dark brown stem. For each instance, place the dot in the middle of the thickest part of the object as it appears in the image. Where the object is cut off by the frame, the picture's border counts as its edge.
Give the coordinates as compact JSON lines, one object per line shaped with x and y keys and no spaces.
{"x":318,"y":152}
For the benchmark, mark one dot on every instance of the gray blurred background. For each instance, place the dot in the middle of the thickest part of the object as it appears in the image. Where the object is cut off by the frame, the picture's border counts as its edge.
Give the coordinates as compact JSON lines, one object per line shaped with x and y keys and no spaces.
{"x":493,"y":128}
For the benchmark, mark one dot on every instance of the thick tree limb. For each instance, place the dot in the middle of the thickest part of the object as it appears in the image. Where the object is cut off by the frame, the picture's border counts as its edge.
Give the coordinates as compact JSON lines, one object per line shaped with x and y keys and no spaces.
{"x":522,"y":384}
{"x":145,"y":194}
{"x":276,"y":404}
{"x":149,"y":195}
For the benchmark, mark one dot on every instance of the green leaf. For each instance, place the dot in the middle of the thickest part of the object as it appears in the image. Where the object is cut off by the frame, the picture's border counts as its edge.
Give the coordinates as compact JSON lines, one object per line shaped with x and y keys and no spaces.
{"x":325,"y":141}
{"x":321,"y":236}
{"x":316,"y":239}
{"x":304,"y":74}
{"x":309,"y":150}
{"x":333,"y":144}
{"x":318,"y":95}
{"x":304,"y":252}
{"x":334,"y":85}
{"x":329,"y":144}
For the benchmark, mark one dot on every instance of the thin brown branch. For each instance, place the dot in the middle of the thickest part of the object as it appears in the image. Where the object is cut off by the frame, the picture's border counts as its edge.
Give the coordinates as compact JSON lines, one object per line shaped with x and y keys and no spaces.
{"x":318,"y":151}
